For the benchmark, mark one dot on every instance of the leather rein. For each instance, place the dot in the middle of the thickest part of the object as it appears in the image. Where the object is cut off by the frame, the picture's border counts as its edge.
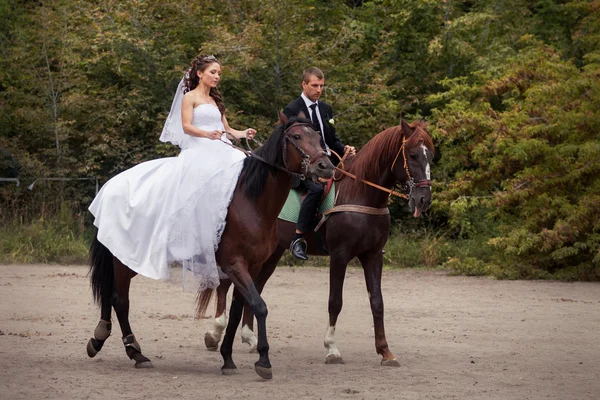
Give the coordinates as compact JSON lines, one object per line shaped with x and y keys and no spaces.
{"x":410,"y":183}
{"x":307,"y":159}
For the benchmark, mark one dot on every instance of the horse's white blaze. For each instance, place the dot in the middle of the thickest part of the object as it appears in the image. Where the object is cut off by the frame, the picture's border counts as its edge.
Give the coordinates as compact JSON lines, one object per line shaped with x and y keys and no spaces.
{"x":329,"y":342}
{"x":427,"y":171}
{"x":248,"y":336}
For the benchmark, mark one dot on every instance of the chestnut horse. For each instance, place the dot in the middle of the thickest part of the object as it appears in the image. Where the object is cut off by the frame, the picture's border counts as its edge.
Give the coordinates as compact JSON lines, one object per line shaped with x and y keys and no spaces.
{"x":398,"y":155}
{"x":247,"y":242}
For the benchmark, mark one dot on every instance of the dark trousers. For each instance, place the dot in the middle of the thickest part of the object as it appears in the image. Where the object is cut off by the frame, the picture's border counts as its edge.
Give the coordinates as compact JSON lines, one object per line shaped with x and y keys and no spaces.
{"x":308,"y":209}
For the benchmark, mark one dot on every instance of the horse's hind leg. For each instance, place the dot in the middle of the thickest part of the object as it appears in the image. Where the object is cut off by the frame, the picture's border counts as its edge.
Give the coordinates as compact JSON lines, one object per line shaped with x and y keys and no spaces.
{"x":212,"y":338}
{"x":101,"y":280}
{"x":337,"y":272}
{"x":372,"y":265}
{"x":248,"y":335}
{"x":102,"y":331}
{"x":120,"y":302}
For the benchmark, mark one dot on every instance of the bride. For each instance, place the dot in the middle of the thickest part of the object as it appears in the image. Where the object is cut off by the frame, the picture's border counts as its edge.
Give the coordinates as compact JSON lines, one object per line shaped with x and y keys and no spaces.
{"x":173,"y":209}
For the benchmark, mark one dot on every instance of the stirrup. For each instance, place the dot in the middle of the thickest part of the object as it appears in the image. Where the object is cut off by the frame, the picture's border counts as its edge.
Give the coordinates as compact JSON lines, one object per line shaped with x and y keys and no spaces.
{"x":299,"y":253}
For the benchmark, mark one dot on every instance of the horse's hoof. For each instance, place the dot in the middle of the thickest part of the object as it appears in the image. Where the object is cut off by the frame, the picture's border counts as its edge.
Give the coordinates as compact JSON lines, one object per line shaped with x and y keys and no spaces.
{"x":334,"y":359}
{"x":265,"y":373}
{"x":91,"y":350}
{"x":210,"y":342}
{"x":390,"y":363}
{"x":144,"y":364}
{"x":229,"y":371}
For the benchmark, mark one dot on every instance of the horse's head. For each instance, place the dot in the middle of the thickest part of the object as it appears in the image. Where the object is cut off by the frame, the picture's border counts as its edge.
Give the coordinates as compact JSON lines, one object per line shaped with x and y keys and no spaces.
{"x":302,"y":151}
{"x":412,"y":165}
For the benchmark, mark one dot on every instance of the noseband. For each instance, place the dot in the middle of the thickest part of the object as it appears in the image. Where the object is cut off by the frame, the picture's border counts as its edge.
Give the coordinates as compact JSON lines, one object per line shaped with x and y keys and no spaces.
{"x":307,"y":160}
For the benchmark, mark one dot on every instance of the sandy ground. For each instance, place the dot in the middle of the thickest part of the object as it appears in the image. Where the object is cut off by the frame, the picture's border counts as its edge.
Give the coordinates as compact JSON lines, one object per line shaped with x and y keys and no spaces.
{"x":456,"y":338}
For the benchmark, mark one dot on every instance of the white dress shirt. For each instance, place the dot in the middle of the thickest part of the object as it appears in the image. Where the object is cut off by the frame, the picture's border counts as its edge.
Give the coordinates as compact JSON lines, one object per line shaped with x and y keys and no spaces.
{"x":309,"y":103}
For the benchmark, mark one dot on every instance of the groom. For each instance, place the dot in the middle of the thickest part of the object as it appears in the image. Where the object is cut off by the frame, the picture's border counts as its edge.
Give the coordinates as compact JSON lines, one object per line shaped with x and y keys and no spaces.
{"x":321,"y":115}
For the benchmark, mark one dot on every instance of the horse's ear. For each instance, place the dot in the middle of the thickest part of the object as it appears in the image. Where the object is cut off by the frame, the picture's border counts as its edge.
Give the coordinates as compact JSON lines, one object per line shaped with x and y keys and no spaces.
{"x":301,"y":114}
{"x":405,"y":128}
{"x":282,"y":118}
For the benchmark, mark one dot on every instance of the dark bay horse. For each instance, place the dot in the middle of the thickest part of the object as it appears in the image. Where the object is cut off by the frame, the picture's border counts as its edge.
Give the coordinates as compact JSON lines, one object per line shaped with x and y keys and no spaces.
{"x":399,"y":155}
{"x":247,"y":242}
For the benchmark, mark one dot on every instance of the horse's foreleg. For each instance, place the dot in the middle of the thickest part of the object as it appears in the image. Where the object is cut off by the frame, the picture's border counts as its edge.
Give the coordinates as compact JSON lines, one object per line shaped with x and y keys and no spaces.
{"x":337,"y":273}
{"x":120,"y":302}
{"x":235,"y":314}
{"x":212,"y":338}
{"x":244,"y":285}
{"x":265,"y":273}
{"x":372,"y":265}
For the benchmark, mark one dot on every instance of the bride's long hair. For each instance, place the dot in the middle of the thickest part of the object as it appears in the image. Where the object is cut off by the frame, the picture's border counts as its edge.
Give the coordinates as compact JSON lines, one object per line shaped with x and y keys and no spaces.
{"x":191,"y":79}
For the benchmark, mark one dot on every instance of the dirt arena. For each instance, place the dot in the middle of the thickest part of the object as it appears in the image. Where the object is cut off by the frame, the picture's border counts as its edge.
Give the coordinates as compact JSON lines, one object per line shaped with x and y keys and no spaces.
{"x":456,"y":338}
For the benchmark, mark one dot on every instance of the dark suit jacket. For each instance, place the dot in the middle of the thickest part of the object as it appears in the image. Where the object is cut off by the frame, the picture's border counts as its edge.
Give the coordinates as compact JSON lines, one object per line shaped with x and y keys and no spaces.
{"x":331,"y":139}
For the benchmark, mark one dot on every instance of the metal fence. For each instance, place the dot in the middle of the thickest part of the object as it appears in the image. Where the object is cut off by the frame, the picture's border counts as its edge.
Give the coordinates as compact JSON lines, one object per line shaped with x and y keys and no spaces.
{"x":16,"y":180}
{"x":32,"y":185}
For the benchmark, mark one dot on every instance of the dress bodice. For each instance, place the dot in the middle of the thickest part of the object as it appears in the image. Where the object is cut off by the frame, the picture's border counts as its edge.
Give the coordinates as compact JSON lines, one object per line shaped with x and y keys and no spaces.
{"x":208,"y":118}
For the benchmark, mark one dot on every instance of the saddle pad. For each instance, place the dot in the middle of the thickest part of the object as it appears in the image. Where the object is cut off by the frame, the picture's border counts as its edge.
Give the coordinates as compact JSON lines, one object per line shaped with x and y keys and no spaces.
{"x":291,"y":209}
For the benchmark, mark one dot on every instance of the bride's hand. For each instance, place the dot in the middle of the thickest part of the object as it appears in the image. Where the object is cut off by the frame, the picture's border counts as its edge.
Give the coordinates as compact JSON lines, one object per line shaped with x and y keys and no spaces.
{"x":213,"y":135}
{"x":250,"y":133}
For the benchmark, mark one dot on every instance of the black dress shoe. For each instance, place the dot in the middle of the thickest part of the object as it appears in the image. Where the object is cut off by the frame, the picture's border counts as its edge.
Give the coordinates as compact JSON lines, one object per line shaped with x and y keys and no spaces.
{"x":298,"y":249}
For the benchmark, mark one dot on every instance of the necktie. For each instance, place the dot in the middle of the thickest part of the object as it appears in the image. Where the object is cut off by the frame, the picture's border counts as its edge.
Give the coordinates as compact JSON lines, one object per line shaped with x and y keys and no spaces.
{"x":313,"y":117}
{"x":317,"y":127}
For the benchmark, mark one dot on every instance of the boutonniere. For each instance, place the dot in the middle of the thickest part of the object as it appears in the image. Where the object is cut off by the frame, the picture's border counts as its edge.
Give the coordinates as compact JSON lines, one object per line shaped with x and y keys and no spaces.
{"x":331,"y":121}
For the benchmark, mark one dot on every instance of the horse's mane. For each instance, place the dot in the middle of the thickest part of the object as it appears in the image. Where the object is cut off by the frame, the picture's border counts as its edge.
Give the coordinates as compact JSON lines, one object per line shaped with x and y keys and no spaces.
{"x":255,"y":172}
{"x":379,"y":152}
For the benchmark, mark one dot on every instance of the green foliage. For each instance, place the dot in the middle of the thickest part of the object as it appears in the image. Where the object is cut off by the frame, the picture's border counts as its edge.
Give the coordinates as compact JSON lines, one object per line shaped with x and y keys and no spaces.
{"x":415,"y":250}
{"x":527,"y":147}
{"x":59,"y":239}
{"x":510,"y":90}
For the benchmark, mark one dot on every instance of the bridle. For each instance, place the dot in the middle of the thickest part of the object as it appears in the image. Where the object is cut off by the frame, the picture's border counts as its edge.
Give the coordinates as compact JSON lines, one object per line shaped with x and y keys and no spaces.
{"x":409,"y":186}
{"x":410,"y":182}
{"x":307,"y":159}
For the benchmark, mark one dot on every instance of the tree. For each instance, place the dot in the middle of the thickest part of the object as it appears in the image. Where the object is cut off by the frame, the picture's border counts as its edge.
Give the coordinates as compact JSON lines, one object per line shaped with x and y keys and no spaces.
{"x":524,"y":144}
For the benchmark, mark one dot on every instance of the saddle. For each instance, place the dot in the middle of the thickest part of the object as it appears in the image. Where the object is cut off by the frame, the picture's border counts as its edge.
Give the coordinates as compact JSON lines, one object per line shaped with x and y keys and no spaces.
{"x":291,"y":209}
{"x":326,"y":190}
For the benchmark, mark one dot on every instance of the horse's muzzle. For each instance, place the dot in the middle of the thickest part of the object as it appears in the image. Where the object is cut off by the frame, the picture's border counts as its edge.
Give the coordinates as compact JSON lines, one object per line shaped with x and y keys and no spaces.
{"x":321,"y":168}
{"x":419,"y":200}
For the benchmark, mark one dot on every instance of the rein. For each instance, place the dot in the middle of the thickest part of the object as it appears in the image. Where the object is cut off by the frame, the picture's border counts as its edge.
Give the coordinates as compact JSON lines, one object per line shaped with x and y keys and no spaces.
{"x":307,"y":160}
{"x":410,"y":183}
{"x":376,"y":186}
{"x":371,"y":210}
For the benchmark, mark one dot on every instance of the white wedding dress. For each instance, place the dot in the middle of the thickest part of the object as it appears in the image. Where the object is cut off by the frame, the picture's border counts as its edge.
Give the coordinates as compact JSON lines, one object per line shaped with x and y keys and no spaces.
{"x":172,"y":209}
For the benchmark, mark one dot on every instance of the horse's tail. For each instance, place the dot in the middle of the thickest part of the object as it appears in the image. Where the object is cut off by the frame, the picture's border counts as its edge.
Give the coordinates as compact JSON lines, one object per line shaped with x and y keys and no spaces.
{"x":202,"y":300}
{"x":101,"y":271}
